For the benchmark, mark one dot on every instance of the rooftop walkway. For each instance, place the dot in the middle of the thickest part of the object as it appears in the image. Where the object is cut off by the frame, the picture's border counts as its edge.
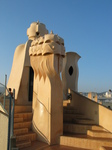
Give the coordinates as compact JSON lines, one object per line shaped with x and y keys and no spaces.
{"x":36,"y":145}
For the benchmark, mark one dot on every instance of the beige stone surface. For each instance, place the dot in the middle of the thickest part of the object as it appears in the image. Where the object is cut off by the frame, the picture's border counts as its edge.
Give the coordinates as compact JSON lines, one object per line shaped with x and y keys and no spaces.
{"x":2,"y":109}
{"x":3,"y":129}
{"x":24,"y":88}
{"x":20,"y":61}
{"x":85,"y":142}
{"x":70,"y":72}
{"x":36,"y":29}
{"x":46,"y":56}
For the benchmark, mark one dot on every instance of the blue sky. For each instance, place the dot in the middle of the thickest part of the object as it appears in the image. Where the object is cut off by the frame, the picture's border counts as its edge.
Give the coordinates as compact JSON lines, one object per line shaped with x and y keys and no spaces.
{"x":85,"y":25}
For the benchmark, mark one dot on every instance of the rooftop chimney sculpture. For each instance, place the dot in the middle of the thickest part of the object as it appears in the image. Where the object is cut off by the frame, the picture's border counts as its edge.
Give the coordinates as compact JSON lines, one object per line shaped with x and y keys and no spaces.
{"x":46,"y":57}
{"x":35,"y":76}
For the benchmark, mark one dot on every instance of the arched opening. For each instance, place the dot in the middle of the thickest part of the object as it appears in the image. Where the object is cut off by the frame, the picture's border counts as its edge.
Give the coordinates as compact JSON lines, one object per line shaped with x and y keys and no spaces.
{"x":31,"y":76}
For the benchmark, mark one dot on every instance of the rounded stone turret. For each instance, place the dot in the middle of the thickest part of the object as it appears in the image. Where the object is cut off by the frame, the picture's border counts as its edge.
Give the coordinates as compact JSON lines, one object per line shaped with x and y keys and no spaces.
{"x":36,"y":29}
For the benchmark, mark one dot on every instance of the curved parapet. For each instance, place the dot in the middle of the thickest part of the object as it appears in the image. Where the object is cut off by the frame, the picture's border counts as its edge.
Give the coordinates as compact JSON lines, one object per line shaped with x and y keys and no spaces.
{"x":70,"y":72}
{"x":93,"y":110}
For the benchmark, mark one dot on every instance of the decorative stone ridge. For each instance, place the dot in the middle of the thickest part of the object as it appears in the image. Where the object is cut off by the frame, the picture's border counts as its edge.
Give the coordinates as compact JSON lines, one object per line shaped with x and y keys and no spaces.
{"x":47,"y":44}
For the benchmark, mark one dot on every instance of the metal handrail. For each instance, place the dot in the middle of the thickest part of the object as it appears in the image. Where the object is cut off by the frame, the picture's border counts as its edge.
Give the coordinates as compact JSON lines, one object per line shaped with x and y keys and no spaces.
{"x":12,"y":120}
{"x":11,"y":113}
{"x":45,"y":138}
{"x":41,"y":103}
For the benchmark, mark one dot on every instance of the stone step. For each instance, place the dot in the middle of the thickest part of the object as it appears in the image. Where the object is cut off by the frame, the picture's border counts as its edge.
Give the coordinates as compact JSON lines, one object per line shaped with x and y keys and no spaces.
{"x":7,"y":107}
{"x":99,"y":134}
{"x":69,"y":108}
{"x":37,"y":145}
{"x":66,"y":102}
{"x":6,"y":102}
{"x":105,"y":148}
{"x":23,"y":125}
{"x":26,"y":116}
{"x":29,"y":136}
{"x":18,"y":120}
{"x":84,"y":121}
{"x":70,"y":111}
{"x":96,"y":127}
{"x":23,"y":144}
{"x":80,"y":128}
{"x":82,"y":141}
{"x":21,"y":108}
{"x":71,"y":117}
{"x":20,"y":131}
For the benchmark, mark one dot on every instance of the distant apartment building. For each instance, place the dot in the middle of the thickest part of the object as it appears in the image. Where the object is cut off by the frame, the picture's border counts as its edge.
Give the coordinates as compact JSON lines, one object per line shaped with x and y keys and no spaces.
{"x":108,"y":94}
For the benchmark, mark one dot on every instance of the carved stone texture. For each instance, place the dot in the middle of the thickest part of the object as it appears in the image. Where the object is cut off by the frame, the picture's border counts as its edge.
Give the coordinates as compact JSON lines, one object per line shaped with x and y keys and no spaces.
{"x":46,"y":57}
{"x":70,"y":73}
{"x":49,"y":44}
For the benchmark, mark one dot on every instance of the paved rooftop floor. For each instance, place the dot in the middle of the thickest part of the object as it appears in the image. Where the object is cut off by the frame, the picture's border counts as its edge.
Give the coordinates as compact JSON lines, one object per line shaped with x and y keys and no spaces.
{"x":43,"y":146}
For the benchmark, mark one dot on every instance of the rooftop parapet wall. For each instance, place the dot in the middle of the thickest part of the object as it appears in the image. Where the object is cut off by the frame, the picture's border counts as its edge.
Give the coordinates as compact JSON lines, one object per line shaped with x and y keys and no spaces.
{"x":93,"y":110}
